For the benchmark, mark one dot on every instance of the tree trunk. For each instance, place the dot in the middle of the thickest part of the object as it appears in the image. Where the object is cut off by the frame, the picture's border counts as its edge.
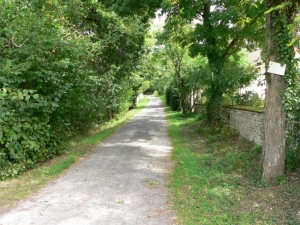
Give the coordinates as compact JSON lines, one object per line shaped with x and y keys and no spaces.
{"x":109,"y":114}
{"x":274,"y":126}
{"x":182,"y":92}
{"x":192,"y":103}
{"x":214,"y":107}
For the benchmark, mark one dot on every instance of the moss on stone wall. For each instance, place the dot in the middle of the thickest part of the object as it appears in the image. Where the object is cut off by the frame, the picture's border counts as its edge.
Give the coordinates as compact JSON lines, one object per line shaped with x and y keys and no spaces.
{"x":246,"y":108}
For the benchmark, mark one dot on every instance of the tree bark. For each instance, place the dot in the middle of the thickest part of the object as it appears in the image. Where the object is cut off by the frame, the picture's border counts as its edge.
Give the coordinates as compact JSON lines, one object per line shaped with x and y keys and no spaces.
{"x":214,"y":106}
{"x":110,"y":115}
{"x":192,"y":102}
{"x":274,"y":127}
{"x":182,"y":95}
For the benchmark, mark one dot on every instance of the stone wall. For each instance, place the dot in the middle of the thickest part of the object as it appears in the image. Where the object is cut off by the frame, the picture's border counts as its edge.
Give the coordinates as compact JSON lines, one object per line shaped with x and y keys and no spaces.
{"x":248,"y":123}
{"x":199,"y":108}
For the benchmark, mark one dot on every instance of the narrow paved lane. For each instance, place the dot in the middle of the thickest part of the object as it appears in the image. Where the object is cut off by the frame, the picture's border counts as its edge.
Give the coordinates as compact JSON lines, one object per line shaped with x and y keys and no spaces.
{"x":122,"y":181}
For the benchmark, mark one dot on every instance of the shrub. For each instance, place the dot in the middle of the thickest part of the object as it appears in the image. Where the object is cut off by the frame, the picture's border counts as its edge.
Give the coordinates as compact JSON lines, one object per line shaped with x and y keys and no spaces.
{"x":174,"y":100}
{"x":168,"y":95}
{"x":172,"y":97}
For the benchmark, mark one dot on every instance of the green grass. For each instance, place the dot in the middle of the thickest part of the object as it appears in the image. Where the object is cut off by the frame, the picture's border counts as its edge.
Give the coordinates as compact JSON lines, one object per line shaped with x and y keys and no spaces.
{"x":216,"y":177}
{"x":13,"y":190}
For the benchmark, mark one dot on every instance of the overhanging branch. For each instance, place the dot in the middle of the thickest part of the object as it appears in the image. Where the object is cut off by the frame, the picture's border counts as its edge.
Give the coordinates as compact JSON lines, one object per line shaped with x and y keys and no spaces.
{"x":235,"y":41}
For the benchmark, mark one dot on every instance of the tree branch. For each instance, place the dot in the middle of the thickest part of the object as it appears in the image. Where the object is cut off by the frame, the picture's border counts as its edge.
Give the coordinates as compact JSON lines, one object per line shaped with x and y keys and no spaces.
{"x":234,"y":42}
{"x":230,"y":47}
{"x":18,"y":46}
{"x":4,"y":47}
{"x":254,"y":20}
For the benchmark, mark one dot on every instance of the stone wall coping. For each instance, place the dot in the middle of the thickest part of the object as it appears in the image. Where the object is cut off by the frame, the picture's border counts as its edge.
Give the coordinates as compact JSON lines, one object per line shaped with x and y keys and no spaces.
{"x":261,"y":111}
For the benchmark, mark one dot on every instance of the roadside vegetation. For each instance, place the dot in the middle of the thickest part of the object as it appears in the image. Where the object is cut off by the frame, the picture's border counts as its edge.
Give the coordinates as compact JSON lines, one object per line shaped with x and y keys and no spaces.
{"x":217,"y":177}
{"x":205,"y":58}
{"x":66,"y":67}
{"x":69,"y":66}
{"x":15,"y":189}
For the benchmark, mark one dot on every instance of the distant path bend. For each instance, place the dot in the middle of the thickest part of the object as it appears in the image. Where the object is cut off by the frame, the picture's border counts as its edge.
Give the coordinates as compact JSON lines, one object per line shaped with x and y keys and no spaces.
{"x":122,"y":181}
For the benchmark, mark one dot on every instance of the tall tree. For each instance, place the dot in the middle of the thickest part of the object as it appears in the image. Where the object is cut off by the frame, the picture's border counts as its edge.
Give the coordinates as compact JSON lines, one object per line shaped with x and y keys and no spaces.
{"x":222,"y":28}
{"x":177,"y":54}
{"x":280,"y":16}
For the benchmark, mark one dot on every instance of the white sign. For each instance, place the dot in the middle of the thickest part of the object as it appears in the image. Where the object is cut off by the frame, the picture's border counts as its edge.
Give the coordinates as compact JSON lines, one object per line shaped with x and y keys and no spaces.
{"x":276,"y":68}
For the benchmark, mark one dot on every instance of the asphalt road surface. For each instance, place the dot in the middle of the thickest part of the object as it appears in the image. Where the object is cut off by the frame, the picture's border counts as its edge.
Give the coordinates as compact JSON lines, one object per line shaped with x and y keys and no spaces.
{"x":122,"y":181}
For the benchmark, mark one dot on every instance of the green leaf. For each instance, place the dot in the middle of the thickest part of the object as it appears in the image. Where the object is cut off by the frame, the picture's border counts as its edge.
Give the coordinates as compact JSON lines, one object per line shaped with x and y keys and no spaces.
{"x":54,"y":104}
{"x":36,"y":96}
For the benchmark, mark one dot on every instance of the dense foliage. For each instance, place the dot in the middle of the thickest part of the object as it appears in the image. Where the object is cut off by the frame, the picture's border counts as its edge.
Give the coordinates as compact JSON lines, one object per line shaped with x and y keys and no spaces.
{"x":172,"y":97}
{"x":66,"y":67}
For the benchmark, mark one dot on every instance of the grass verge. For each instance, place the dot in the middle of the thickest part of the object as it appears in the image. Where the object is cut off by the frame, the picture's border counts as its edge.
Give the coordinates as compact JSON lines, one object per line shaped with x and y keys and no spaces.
{"x":13,"y":190}
{"x":216,"y":177}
